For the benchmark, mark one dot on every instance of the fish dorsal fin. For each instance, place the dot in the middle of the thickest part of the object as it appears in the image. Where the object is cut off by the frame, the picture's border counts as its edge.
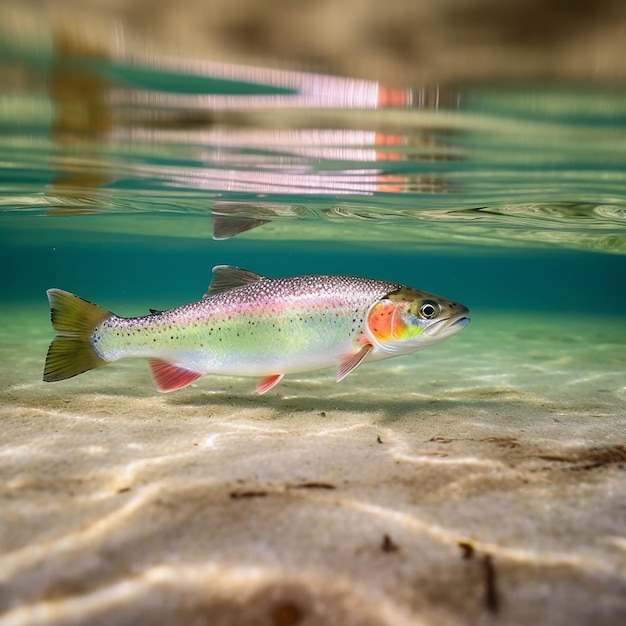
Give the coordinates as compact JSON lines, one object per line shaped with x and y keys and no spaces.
{"x":227,"y":277}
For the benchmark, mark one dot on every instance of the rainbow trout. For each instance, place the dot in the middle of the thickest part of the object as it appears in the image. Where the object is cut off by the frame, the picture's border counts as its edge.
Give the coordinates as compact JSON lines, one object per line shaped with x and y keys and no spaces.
{"x":250,"y":325}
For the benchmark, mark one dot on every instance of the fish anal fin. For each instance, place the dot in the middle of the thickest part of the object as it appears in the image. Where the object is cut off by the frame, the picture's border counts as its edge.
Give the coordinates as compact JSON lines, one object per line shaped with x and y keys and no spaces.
{"x":170,"y":377}
{"x":350,"y":362}
{"x":227,"y":277}
{"x":267,"y":383}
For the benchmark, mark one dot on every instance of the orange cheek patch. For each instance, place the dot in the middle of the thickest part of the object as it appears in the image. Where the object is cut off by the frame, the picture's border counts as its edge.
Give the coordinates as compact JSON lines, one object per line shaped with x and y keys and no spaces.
{"x":381,"y":322}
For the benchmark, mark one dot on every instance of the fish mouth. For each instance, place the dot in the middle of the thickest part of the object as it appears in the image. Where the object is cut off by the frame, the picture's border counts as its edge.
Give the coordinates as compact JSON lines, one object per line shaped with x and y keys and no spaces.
{"x":448,"y":326}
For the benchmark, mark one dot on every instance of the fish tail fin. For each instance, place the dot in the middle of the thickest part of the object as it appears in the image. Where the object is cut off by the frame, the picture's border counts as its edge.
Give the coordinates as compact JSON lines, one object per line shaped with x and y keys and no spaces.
{"x":74,"y":321}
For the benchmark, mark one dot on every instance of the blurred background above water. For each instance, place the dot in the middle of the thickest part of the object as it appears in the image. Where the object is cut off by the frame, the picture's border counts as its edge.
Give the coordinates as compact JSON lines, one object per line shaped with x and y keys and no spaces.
{"x":449,"y":126}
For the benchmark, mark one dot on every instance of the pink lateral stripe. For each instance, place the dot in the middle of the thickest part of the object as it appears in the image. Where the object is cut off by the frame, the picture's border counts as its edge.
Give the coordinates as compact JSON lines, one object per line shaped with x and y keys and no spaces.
{"x":169,"y":377}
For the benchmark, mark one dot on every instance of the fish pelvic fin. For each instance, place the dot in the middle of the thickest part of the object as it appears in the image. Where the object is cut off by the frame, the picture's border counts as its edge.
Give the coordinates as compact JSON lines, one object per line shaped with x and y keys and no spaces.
{"x":74,"y":321}
{"x":350,"y":362}
{"x":267,"y":383}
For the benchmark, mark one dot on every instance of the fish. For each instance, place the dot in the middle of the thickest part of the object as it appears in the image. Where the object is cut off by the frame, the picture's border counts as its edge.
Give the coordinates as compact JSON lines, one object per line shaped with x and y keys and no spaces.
{"x":251,"y":325}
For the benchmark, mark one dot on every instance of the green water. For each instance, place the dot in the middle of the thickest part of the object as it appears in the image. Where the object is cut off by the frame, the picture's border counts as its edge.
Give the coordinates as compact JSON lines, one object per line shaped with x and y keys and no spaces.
{"x":509,"y":200}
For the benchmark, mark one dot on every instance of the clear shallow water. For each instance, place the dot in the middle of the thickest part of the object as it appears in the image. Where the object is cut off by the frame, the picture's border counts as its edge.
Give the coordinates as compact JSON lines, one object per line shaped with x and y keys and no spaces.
{"x":510,"y":200}
{"x":121,"y":504}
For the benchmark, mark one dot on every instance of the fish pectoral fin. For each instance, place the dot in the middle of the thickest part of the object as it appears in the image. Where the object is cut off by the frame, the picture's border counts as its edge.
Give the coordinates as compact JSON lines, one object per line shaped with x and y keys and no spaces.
{"x":350,"y":362}
{"x":267,"y":383}
{"x":170,"y":377}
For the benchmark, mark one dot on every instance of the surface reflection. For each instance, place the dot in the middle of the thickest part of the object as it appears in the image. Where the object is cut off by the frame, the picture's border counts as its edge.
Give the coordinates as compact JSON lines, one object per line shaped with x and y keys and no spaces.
{"x":104,"y":131}
{"x":95,"y":121}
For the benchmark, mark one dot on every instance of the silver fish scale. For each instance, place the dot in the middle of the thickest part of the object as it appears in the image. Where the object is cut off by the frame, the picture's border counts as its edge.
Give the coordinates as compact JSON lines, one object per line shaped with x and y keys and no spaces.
{"x":270,"y":293}
{"x":345,"y":289}
{"x":335,"y":306}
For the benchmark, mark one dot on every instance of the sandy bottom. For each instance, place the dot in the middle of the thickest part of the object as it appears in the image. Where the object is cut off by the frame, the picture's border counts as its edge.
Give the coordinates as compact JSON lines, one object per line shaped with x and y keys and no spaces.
{"x":483,"y":477}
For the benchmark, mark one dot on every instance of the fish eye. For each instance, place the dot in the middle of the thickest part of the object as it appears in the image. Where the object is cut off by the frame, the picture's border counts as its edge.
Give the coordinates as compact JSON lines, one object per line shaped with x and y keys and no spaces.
{"x":429,"y":309}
